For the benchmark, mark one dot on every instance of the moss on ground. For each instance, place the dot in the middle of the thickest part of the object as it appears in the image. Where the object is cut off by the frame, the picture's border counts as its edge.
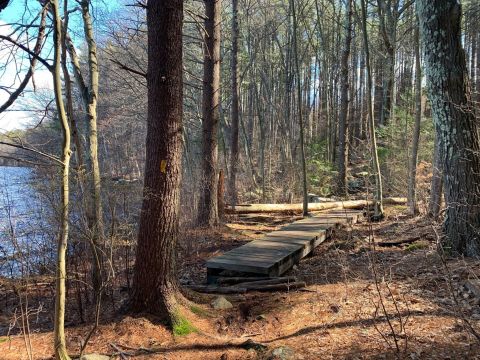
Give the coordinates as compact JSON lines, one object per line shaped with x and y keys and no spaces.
{"x":182,"y":326}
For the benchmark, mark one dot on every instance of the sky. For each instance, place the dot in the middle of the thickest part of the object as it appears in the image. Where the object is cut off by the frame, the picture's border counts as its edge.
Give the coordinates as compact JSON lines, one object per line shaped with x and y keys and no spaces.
{"x":28,"y":109}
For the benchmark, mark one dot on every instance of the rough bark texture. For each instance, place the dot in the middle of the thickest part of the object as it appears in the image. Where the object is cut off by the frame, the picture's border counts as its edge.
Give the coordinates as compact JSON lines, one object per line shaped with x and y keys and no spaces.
{"x":412,"y":198}
{"x":437,"y":182}
{"x":454,"y":120}
{"x":342,"y":148}
{"x":155,"y":286}
{"x":235,"y":107}
{"x":207,"y":209}
{"x":61,"y":273}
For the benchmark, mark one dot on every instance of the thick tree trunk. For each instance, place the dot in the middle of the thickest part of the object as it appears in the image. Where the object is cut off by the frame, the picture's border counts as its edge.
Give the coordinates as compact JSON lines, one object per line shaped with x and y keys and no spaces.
{"x":207,"y":209}
{"x":342,"y":148}
{"x":61,"y":273}
{"x":454,"y":120}
{"x":155,"y":286}
{"x":235,"y":107}
{"x":412,"y":201}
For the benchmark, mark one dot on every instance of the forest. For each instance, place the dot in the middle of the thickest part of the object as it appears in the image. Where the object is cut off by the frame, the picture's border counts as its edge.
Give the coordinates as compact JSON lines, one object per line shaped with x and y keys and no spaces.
{"x":239,"y":179}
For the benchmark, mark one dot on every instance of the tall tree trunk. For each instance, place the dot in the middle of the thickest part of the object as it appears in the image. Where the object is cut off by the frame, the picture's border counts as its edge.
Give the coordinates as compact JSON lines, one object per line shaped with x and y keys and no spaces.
{"x":412,"y":201}
{"x":90,"y":96}
{"x":342,"y":148}
{"x":61,"y":273}
{"x":235,"y":107}
{"x":155,"y":285}
{"x":299,"y":105}
{"x":454,"y":119}
{"x":208,"y":209}
{"x":378,"y":206}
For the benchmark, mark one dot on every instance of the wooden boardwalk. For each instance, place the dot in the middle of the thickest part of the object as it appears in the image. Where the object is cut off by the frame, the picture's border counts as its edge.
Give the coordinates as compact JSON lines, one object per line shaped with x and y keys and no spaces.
{"x":279,"y":250}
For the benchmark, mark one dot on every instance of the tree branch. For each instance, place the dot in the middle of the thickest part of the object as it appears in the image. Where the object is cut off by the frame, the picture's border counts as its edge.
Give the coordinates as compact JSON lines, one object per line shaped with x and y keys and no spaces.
{"x":38,"y":47}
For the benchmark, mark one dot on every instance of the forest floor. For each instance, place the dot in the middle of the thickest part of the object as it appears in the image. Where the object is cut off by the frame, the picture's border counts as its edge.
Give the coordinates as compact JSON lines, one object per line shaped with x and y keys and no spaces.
{"x":362,"y":301}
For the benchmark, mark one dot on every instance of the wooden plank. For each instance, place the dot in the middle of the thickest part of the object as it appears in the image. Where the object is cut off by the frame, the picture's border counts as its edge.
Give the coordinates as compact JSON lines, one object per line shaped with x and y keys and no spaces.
{"x":258,"y":256}
{"x":279,"y":250}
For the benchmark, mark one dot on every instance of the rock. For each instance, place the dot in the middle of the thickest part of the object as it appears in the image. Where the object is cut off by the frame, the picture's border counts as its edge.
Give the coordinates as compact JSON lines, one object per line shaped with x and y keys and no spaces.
{"x":250,"y":344}
{"x":94,"y":357}
{"x":282,"y":353}
{"x":220,"y":303}
{"x":252,"y":354}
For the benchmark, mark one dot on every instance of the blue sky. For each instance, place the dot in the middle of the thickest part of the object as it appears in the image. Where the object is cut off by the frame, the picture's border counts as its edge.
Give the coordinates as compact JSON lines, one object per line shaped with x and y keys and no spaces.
{"x":23,"y":112}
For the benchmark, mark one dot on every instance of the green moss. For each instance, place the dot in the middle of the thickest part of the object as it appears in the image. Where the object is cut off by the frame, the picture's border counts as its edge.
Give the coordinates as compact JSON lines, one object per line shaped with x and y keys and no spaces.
{"x":182,"y":327}
{"x":197,"y":310}
{"x":417,"y":246}
{"x":3,"y":339}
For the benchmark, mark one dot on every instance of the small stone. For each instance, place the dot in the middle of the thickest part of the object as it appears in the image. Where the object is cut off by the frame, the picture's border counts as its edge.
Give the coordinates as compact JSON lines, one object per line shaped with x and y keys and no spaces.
{"x":261,"y":317}
{"x":220,"y":303}
{"x":94,"y":357}
{"x":282,"y":353}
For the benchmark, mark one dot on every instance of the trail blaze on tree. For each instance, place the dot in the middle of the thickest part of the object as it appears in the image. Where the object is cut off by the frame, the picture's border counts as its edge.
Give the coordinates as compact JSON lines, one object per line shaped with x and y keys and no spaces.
{"x":155,"y":284}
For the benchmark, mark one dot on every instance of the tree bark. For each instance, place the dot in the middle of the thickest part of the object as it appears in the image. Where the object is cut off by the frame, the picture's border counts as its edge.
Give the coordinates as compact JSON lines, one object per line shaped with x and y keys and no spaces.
{"x":90,"y":97}
{"x":61,"y":272}
{"x":412,"y":201}
{"x":437,"y":181}
{"x":155,"y":286}
{"x":207,"y":209}
{"x":235,"y":107}
{"x":454,"y":119}
{"x":342,"y":148}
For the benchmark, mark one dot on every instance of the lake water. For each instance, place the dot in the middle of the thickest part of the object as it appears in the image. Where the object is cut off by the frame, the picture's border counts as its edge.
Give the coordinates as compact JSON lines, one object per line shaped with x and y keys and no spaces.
{"x":25,"y":242}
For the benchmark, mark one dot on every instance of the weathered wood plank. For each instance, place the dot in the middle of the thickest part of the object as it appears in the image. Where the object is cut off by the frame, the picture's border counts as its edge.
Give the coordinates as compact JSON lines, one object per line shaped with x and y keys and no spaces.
{"x":279,"y":250}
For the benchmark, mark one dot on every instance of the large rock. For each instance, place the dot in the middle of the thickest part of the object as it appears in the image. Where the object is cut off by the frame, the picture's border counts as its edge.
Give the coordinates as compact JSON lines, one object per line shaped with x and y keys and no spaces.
{"x":220,"y":303}
{"x":282,"y":353}
{"x":95,"y":357}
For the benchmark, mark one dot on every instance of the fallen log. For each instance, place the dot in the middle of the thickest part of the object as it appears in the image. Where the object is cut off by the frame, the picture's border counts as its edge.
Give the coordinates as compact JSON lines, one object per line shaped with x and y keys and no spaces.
{"x":208,"y":289}
{"x":297,"y":208}
{"x":404,"y":241}
{"x":276,"y":287}
{"x":239,"y":279}
{"x":272,"y":281}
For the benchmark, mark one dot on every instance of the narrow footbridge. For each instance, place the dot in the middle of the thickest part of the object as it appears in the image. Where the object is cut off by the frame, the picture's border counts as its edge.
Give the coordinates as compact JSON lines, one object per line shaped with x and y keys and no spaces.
{"x":279,"y":250}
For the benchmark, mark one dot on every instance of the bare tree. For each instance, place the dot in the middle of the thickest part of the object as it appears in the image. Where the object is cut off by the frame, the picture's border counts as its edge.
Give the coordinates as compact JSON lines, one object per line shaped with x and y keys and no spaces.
{"x":235,"y":107}
{"x":378,"y":207}
{"x":208,"y":207}
{"x":412,"y":198}
{"x":342,"y":147}
{"x":299,"y":108}
{"x":61,"y":274}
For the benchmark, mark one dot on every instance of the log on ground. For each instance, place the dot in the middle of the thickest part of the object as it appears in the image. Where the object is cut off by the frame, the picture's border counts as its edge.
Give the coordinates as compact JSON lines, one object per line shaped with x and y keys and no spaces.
{"x":297,"y":208}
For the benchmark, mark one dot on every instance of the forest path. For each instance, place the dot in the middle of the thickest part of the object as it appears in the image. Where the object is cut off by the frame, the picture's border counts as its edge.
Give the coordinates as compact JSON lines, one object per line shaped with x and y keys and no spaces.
{"x":279,"y":250}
